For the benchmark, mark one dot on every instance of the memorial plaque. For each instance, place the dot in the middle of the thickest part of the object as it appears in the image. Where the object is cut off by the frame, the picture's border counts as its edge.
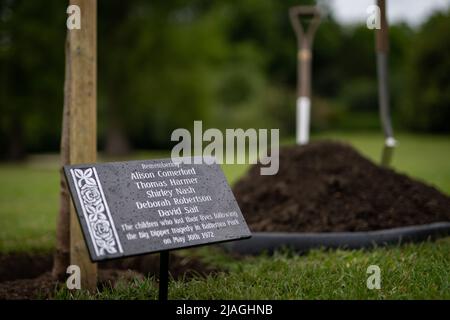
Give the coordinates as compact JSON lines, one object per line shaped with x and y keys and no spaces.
{"x":136,"y":207}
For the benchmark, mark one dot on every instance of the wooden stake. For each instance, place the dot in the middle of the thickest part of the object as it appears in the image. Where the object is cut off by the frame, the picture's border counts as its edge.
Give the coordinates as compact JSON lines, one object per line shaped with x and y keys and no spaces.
{"x":82,"y":56}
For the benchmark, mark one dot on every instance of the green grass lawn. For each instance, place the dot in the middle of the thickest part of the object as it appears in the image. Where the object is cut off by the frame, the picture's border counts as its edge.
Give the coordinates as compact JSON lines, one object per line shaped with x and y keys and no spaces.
{"x":408,"y":272}
{"x":29,"y":204}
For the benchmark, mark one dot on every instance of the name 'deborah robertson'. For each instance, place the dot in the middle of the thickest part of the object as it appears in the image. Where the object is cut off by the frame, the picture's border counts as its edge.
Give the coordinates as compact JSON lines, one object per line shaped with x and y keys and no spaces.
{"x":176,"y":201}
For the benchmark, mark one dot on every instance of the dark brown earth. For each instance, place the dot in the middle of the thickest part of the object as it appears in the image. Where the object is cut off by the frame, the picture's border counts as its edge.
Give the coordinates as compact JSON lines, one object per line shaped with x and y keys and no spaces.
{"x":28,"y":276}
{"x":328,"y":186}
{"x":44,"y":287}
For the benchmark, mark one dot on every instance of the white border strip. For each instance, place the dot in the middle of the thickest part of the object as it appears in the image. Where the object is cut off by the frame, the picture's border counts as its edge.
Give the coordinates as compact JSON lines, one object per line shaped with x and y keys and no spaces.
{"x":84,"y":212}
{"x":111,"y":221}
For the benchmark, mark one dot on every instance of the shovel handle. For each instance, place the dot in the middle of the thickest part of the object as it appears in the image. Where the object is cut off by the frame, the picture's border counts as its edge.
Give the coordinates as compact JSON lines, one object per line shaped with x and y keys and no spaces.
{"x":304,"y":38}
{"x":382,"y":34}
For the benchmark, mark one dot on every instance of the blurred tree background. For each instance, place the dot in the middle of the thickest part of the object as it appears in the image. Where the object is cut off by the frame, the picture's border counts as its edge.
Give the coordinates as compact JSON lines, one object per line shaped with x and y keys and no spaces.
{"x":164,"y":64}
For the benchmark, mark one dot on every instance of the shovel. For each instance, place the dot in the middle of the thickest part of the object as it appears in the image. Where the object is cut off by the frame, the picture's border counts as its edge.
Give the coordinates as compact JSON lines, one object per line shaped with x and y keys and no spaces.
{"x":304,"y":55}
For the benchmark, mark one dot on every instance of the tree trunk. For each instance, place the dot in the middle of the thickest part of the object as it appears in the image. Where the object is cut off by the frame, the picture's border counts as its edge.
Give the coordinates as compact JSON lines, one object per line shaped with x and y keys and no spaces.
{"x":116,"y":141}
{"x":83,"y":123}
{"x":78,"y":139}
{"x":16,"y":150}
{"x":62,"y":253}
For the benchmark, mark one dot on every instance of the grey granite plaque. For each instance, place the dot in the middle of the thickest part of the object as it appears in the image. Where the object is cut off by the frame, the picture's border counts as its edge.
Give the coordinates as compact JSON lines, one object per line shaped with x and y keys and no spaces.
{"x":136,"y":207}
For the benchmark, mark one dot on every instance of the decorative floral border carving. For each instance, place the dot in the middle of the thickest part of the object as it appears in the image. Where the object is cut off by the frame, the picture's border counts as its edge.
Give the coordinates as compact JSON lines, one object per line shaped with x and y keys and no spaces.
{"x":96,"y":212}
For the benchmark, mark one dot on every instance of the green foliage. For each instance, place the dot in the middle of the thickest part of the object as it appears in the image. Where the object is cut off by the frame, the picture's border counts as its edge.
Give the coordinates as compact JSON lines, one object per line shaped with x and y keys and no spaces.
{"x":32,"y":73}
{"x":163,"y":64}
{"x":427,"y":103}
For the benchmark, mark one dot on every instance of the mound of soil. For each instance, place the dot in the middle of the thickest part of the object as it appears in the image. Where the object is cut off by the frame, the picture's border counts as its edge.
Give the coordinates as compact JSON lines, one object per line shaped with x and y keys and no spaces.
{"x":328,"y":186}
